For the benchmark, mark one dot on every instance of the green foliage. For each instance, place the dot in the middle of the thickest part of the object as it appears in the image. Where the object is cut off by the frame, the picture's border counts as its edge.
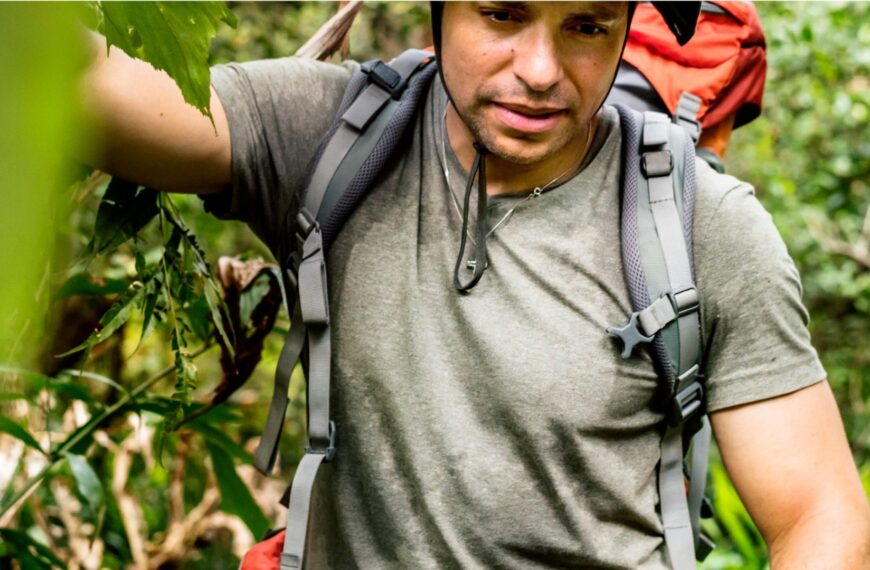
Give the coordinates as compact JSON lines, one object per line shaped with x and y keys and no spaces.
{"x":809,"y":157}
{"x":39,"y":63}
{"x":87,"y":481}
{"x":19,"y":433}
{"x":171,"y":36}
{"x":235,"y":497}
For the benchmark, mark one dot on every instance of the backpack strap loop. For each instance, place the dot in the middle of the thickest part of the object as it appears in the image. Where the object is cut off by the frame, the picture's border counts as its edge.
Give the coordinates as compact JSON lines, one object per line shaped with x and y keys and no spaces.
{"x":312,"y":281}
{"x":686,"y":114}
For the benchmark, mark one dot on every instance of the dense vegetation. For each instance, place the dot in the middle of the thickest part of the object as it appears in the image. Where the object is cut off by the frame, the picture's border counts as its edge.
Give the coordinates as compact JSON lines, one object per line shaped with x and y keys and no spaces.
{"x":99,"y":468}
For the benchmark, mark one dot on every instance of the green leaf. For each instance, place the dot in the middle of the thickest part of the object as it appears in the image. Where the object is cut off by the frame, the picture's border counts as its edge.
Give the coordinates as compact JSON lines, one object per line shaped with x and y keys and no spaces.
{"x":18,"y":432}
{"x":215,"y":305}
{"x":84,"y":284}
{"x":171,"y":36}
{"x":95,"y":377}
{"x":124,"y":210}
{"x":87,"y":481}
{"x":236,"y":498}
{"x":32,"y":554}
{"x":251,"y":297}
{"x":217,"y":437}
{"x":114,"y":319}
{"x":34,"y":382}
{"x":150,"y":302}
{"x":11,"y":396}
{"x":198,"y":313}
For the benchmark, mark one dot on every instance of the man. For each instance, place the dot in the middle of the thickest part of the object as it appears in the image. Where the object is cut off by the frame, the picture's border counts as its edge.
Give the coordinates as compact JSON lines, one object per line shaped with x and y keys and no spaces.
{"x":500,"y":429}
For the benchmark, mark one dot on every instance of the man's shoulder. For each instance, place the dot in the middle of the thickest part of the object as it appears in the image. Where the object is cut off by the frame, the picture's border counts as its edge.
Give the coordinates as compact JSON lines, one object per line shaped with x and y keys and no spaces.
{"x":725,"y":209}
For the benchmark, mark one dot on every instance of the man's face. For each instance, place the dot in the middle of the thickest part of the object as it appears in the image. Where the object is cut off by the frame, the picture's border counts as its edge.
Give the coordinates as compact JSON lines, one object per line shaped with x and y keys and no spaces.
{"x":528,"y":77}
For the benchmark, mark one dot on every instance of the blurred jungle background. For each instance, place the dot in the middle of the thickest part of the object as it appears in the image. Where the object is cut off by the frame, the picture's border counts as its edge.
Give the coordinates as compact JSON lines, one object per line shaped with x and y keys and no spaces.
{"x":108,"y":458}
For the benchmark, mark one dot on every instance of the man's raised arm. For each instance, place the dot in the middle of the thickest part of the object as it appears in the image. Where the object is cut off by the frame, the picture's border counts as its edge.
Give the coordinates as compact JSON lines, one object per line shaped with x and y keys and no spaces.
{"x":146,"y":131}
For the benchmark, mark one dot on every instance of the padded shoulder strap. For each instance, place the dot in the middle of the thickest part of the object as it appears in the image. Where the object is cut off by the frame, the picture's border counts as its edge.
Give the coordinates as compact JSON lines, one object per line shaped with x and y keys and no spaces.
{"x":366,"y":133}
{"x":657,"y":219}
{"x":378,"y":106}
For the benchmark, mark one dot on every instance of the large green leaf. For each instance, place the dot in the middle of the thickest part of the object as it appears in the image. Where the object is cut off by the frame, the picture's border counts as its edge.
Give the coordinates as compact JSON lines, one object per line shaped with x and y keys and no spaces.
{"x":124,"y":210}
{"x":18,"y":432}
{"x":172,"y":36}
{"x":87,"y":482}
{"x":236,"y":499}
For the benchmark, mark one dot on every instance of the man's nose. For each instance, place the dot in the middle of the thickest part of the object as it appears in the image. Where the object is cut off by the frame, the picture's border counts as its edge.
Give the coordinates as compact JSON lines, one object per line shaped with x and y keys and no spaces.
{"x":536,"y":60}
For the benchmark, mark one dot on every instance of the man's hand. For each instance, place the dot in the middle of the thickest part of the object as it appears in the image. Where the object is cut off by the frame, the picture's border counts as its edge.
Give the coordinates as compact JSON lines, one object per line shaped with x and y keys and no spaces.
{"x":146,"y":132}
{"x":790,"y":462}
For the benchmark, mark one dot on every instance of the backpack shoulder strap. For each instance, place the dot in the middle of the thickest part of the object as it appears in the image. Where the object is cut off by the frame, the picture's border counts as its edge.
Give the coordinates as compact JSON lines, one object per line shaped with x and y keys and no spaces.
{"x":657,"y":219}
{"x":377,"y":108}
{"x":366,"y":132}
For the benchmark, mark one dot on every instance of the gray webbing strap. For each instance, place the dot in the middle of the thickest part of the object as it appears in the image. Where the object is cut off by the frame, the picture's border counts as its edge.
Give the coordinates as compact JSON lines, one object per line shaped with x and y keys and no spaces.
{"x":293,"y":555}
{"x":657,"y":168}
{"x":267,"y":450}
{"x":314,"y":308}
{"x":672,"y":497}
{"x":313,"y":303}
{"x":699,"y":463}
{"x":686,"y":114}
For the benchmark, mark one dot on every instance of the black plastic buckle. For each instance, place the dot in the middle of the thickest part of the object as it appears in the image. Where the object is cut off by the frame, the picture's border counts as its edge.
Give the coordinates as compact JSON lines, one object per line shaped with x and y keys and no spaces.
{"x":688,"y":402}
{"x":330,"y":450}
{"x":385,"y":77}
{"x":657,"y":163}
{"x":630,"y":335}
{"x":685,"y":301}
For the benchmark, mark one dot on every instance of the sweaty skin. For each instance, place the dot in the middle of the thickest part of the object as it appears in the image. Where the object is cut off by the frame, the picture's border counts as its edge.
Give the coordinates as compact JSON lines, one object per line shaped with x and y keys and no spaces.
{"x":527,"y":80}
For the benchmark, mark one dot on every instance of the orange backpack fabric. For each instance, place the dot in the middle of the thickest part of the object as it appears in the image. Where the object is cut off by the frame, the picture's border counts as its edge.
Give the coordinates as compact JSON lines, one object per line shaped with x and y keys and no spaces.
{"x":724,"y":63}
{"x":265,"y":555}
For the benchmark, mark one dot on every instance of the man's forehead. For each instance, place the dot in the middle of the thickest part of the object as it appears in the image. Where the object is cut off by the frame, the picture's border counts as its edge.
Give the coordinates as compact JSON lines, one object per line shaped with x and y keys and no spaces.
{"x":611,"y":10}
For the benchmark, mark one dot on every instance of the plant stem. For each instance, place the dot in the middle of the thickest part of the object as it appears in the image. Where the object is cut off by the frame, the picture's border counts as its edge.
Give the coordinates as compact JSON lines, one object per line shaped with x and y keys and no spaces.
{"x":89,"y":428}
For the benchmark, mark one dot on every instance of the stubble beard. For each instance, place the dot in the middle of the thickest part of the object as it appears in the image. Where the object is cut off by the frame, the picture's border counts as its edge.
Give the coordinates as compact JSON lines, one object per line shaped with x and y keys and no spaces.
{"x":533,"y":151}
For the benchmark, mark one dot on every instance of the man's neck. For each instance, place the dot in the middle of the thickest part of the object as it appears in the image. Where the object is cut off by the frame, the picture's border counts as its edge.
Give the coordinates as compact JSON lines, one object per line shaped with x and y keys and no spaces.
{"x":505,"y":177}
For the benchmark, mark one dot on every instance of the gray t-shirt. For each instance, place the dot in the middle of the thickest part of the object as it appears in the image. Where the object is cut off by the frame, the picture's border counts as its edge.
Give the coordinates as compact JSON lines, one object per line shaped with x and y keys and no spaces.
{"x":499,"y":429}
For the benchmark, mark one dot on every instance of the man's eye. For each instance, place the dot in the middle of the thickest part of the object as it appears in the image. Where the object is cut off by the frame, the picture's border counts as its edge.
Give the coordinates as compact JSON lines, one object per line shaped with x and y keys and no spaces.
{"x":587,"y":29}
{"x":500,"y":16}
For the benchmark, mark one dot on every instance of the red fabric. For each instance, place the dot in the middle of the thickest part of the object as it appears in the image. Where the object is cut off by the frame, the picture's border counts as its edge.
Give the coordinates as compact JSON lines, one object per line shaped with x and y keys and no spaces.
{"x":264,"y":555}
{"x":724,"y":63}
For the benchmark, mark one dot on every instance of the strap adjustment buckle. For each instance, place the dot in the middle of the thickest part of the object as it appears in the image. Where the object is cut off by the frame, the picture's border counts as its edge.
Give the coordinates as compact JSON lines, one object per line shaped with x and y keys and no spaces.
{"x":657,"y":163}
{"x":687,"y":402}
{"x":385,"y":77}
{"x":329,"y":450}
{"x":685,"y":301}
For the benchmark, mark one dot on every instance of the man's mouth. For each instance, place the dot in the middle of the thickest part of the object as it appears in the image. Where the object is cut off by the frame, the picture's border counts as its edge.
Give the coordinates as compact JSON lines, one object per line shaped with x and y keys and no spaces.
{"x":528,"y":119}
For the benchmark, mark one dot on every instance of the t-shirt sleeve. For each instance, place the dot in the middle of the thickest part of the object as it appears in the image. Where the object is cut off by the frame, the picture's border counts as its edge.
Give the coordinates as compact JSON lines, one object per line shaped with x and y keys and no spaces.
{"x":277,"y":110}
{"x":751,"y":289}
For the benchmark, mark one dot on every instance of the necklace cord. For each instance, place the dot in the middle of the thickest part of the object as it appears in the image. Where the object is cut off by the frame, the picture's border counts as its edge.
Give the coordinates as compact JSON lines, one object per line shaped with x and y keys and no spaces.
{"x":480,"y":259}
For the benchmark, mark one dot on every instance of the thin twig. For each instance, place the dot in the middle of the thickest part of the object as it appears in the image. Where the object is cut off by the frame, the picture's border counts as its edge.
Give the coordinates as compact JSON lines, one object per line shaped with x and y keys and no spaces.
{"x":328,"y":39}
